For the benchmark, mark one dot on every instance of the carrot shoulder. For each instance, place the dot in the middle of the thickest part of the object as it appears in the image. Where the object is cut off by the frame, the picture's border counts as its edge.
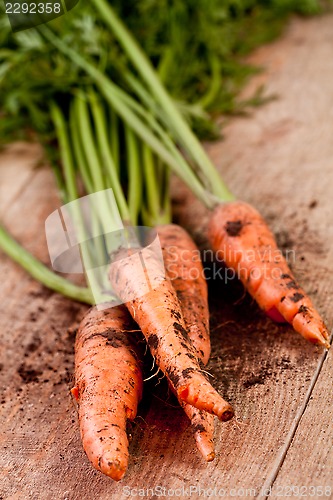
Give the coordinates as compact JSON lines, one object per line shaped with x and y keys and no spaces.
{"x":241,"y":237}
{"x":159,"y":315}
{"x":108,"y":387}
{"x":184,"y":268}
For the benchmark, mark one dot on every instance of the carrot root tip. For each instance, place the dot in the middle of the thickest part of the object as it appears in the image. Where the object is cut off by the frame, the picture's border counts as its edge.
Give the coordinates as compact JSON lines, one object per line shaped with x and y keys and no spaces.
{"x":210,"y":457}
{"x":112,"y":468}
{"x":227,"y":415}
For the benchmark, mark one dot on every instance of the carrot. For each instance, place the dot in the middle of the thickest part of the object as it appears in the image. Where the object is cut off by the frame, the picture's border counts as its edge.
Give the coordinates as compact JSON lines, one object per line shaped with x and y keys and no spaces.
{"x":184,"y":268}
{"x":108,"y":387}
{"x":158,"y":313}
{"x":239,"y":234}
{"x":202,"y":424}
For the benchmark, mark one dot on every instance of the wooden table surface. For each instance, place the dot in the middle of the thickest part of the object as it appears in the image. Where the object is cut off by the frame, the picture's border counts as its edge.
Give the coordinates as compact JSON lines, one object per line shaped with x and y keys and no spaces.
{"x":280,"y":159}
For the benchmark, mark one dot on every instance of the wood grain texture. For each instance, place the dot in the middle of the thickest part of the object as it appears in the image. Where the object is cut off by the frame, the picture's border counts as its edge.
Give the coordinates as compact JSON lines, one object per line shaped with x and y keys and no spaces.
{"x":279,"y":159}
{"x":309,"y":460}
{"x":17,"y":167}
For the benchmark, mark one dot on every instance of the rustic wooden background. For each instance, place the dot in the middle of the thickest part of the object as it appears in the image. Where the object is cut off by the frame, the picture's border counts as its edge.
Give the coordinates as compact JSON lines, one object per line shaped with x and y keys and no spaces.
{"x":281,"y":159}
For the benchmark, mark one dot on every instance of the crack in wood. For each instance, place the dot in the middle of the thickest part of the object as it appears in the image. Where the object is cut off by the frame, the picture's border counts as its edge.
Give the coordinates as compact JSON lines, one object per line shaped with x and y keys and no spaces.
{"x":268,"y":485}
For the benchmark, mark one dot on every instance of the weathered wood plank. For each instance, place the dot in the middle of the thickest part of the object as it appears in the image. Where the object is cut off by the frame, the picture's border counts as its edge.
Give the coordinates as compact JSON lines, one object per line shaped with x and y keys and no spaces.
{"x":265,"y":370}
{"x":16,"y":170}
{"x":36,"y":354}
{"x":308,"y":466}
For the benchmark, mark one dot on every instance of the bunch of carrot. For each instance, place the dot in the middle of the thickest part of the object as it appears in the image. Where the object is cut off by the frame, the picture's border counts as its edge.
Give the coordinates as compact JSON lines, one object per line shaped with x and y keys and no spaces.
{"x":173,"y":317}
{"x":173,"y":314}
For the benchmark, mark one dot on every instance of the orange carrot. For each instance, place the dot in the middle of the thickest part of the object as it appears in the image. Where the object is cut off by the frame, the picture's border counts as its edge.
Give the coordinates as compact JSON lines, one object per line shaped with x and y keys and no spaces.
{"x":184,"y":268}
{"x":158,"y":313}
{"x":202,"y":424}
{"x":108,"y":387}
{"x":241,"y":237}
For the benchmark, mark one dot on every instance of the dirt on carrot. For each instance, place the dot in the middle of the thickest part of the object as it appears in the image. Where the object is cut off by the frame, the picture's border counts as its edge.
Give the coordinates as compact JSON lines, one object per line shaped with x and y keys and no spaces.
{"x":108,"y":386}
{"x":239,"y":235}
{"x":184,"y":268}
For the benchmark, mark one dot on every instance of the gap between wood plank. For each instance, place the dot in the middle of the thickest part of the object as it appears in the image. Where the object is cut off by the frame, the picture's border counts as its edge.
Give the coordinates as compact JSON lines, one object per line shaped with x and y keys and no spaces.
{"x":268,"y":485}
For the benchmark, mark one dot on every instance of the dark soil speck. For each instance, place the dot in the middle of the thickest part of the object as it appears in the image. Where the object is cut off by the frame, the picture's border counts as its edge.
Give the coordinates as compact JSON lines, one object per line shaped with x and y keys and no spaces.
{"x":234,"y":228}
{"x":28,"y":374}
